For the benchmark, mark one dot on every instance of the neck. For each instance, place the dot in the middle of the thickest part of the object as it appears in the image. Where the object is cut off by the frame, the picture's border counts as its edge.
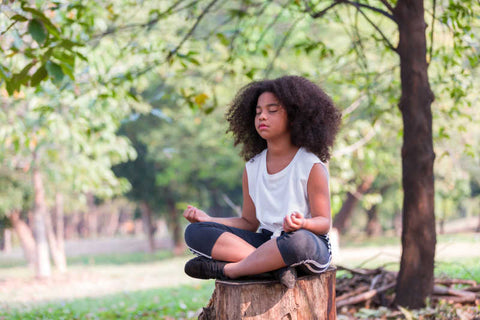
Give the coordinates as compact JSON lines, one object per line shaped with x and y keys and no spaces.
{"x":281,"y":147}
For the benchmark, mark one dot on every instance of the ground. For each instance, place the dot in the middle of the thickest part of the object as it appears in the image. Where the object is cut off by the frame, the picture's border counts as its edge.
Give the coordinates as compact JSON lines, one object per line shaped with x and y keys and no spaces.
{"x":98,"y":279}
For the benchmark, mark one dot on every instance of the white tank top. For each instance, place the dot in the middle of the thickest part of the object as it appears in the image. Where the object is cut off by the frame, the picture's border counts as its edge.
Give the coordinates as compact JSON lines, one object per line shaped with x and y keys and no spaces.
{"x":276,"y":195}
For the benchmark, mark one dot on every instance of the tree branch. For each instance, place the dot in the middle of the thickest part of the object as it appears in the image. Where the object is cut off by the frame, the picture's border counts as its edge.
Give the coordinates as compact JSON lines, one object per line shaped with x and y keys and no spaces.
{"x":192,"y":29}
{"x":388,"y":5}
{"x":279,"y":49}
{"x":366,"y":6}
{"x":149,"y":23}
{"x":385,"y":39}
{"x":357,"y":145}
{"x":320,"y":13}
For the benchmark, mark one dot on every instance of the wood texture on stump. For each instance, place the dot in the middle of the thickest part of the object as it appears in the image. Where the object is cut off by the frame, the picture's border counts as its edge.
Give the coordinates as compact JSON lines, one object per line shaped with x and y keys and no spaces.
{"x":313,"y":297}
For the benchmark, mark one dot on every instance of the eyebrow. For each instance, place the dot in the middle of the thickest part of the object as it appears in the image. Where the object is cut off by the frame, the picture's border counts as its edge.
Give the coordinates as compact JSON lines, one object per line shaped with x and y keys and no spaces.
{"x":270,"y":105}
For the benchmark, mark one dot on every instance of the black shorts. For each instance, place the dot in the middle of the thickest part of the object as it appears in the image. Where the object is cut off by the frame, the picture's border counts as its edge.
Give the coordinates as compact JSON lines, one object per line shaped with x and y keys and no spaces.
{"x":302,"y":248}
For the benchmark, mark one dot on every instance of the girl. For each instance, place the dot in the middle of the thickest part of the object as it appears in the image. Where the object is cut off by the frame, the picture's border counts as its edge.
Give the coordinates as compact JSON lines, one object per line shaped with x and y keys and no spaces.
{"x":287,"y":127}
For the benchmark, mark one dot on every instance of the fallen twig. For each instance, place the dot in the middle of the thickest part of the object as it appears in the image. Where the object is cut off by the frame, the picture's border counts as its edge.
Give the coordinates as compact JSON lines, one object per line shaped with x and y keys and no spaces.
{"x":364,"y":296}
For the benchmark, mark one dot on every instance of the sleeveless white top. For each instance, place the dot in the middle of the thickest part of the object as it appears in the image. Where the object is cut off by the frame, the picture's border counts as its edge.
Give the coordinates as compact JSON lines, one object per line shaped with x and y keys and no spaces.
{"x":276,"y":195}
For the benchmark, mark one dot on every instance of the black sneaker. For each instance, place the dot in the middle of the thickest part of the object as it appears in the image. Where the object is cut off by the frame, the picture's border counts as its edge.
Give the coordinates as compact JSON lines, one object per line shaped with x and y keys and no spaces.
{"x":287,"y":276}
{"x":204,"y":268}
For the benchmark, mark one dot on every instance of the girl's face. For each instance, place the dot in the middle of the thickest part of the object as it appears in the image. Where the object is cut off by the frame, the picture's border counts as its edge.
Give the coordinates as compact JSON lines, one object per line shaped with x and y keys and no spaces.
{"x":271,"y":121}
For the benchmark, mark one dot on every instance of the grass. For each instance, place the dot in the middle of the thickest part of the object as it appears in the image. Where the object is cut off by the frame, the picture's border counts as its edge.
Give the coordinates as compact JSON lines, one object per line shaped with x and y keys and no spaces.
{"x":361,"y":240}
{"x":466,"y":268}
{"x":172,"y":301}
{"x":101,"y":259}
{"x":183,"y":302}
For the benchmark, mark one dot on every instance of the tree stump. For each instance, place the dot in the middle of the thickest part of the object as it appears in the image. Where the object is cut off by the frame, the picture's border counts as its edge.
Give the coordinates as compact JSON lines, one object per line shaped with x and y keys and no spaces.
{"x":313,"y":297}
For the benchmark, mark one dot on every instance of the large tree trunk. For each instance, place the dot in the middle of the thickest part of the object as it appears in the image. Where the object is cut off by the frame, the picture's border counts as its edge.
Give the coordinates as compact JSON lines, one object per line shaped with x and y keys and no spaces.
{"x":42,"y":269}
{"x":415,"y":279}
{"x":342,"y":220}
{"x":26,"y":237}
{"x":148,"y":224}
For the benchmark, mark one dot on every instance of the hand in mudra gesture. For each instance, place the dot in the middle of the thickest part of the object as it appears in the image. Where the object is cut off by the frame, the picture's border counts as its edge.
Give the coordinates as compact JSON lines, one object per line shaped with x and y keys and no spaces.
{"x":194,"y":214}
{"x":293,"y":221}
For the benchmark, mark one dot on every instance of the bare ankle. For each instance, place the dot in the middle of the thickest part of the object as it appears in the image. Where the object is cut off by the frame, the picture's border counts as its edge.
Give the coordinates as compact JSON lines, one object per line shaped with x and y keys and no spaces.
{"x":227,"y":271}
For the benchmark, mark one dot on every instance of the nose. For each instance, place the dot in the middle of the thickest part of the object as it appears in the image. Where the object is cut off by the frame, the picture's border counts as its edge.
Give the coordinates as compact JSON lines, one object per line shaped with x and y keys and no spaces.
{"x":262,"y":115}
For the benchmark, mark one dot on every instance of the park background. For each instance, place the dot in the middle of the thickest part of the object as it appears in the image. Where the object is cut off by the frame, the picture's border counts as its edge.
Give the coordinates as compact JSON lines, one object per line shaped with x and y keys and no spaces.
{"x":112,"y":121}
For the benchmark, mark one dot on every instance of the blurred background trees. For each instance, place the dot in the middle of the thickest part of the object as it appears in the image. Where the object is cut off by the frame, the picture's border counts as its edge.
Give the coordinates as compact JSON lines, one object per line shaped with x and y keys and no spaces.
{"x":113,"y":111}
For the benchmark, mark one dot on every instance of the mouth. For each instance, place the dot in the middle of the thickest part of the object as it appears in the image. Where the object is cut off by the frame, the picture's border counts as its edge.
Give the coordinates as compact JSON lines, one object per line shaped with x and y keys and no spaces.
{"x":262,"y":126}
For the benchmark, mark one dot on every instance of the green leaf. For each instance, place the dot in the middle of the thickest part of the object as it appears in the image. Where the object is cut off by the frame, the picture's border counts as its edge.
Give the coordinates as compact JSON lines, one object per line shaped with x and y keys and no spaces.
{"x":223,"y":39}
{"x":55,"y":71}
{"x":4,"y":73}
{"x":68,"y":70}
{"x":47,"y":23}
{"x":36,"y":30}
{"x":38,"y":76}
{"x":19,"y":17}
{"x":68,"y":44}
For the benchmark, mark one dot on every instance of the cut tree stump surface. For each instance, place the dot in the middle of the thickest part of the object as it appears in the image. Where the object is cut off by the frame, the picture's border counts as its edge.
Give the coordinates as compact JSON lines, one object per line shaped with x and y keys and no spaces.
{"x":313,"y":297}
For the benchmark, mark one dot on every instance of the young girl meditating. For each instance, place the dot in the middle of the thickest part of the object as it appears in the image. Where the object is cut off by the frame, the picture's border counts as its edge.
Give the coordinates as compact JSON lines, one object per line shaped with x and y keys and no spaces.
{"x":286,"y":127}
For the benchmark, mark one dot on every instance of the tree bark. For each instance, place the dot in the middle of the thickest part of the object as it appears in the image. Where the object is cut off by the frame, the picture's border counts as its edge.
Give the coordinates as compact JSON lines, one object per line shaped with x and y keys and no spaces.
{"x":313,"y":297}
{"x":55,"y":240}
{"x":42,"y":269}
{"x":7,"y":240}
{"x":175,"y":226}
{"x":25,"y":235}
{"x":373,"y":228}
{"x":342,"y":220}
{"x":415,"y":279}
{"x":91,"y":215}
{"x":60,"y":222}
{"x":148,"y":224}
{"x":478,"y":226}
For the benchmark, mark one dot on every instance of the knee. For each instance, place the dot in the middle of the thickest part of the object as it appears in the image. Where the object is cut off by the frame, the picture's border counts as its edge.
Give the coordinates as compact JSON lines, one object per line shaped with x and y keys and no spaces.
{"x":300,"y":244}
{"x":199,"y":234}
{"x":192,"y":234}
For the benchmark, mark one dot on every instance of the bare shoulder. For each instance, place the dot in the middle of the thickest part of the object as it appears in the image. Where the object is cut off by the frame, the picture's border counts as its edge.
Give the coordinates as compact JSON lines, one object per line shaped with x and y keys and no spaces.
{"x":318,"y":177}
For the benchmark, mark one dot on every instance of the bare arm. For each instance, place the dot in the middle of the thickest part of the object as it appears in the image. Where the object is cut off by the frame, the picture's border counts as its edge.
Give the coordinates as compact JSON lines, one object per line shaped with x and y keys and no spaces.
{"x":319,"y":200}
{"x":248,"y":220}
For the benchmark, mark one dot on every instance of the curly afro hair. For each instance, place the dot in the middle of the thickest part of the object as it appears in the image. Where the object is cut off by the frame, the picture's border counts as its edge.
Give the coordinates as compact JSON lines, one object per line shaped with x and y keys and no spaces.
{"x":314,"y":120}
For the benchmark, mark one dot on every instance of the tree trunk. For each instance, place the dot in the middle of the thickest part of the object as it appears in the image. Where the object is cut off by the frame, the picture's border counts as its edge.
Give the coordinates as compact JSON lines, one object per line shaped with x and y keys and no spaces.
{"x":7,"y":241}
{"x":374,"y":228}
{"x":91,"y":215}
{"x":478,"y":226}
{"x":57,"y":255}
{"x":415,"y":279}
{"x":148,"y":225}
{"x":26,"y":237}
{"x":175,"y":226}
{"x":343,"y":218}
{"x":55,"y":240}
{"x":60,"y":222}
{"x":313,"y":297}
{"x":113,"y":223}
{"x":42,"y":269}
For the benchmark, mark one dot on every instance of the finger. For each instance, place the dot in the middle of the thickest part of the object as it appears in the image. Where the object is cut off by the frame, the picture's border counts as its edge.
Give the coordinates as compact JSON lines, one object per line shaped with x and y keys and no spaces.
{"x":288,"y":220}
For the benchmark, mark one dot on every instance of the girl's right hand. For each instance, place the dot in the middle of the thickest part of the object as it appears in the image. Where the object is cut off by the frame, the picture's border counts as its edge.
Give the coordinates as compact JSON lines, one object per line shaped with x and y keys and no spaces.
{"x":193,"y":214}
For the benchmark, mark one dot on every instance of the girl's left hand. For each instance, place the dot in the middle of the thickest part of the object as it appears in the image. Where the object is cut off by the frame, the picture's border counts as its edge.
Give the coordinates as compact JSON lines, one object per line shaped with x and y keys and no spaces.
{"x":293,"y":221}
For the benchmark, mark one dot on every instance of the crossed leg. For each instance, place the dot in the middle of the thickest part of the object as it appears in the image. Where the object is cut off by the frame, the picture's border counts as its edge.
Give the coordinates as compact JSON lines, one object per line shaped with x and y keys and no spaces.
{"x":246,"y":259}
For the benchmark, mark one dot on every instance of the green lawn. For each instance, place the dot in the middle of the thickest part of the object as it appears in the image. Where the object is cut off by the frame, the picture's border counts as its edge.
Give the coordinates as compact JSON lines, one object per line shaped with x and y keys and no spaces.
{"x":162,"y":302}
{"x":183,"y":302}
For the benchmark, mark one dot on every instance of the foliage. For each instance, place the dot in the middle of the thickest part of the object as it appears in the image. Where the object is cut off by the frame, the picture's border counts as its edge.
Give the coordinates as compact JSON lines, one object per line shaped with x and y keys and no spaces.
{"x":179,"y":303}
